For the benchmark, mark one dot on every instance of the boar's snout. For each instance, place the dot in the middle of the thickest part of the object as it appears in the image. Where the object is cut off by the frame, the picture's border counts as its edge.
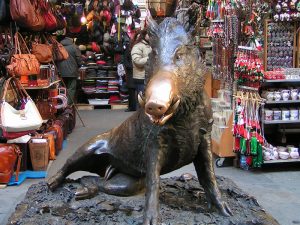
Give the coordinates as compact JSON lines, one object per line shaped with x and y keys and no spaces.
{"x":161,"y":97}
{"x":155,"y":108}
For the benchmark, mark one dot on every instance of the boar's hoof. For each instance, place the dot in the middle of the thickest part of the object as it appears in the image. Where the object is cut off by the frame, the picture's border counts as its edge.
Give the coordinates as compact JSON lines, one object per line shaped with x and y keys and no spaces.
{"x":224,"y":209}
{"x":86,"y":192}
{"x":150,"y":221}
{"x":55,"y":181}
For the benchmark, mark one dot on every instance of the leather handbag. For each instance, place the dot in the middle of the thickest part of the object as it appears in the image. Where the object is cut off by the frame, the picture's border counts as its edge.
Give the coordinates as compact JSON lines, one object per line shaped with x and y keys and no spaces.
{"x":3,"y":11}
{"x":45,"y":107}
{"x":49,"y":18}
{"x":59,"y":51}
{"x":10,"y":154}
{"x":51,"y":142}
{"x":43,"y":52}
{"x":27,"y":14}
{"x":25,"y":116}
{"x":59,"y":136}
{"x":14,"y":135}
{"x":70,"y":115}
{"x":63,"y":122}
{"x":23,"y":64}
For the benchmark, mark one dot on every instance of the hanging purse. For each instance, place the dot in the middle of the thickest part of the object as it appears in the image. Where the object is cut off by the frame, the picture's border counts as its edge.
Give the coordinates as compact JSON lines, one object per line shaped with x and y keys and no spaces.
{"x":49,"y":18}
{"x":27,"y":14}
{"x":9,"y":155}
{"x":25,"y":116}
{"x":43,"y":52}
{"x":23,"y":64}
{"x":59,"y":51}
{"x":4,"y":12}
{"x":61,"y":22}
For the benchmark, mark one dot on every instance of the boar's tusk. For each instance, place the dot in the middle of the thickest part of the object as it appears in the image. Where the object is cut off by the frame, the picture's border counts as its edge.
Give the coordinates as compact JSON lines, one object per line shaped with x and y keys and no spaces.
{"x":141,"y":99}
{"x":175,"y":106}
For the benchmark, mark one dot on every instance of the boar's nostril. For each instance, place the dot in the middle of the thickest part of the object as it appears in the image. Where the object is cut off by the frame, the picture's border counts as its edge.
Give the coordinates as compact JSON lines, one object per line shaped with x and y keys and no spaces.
{"x":155,"y":109}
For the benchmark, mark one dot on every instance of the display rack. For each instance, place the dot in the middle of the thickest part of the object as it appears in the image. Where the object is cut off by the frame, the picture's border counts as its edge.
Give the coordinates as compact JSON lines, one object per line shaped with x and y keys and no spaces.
{"x":283,"y":127}
{"x":42,"y":87}
{"x":100,"y":98}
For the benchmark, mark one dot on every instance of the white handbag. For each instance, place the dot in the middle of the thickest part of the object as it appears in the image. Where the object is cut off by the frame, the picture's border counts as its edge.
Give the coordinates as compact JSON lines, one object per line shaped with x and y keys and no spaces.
{"x":13,"y":120}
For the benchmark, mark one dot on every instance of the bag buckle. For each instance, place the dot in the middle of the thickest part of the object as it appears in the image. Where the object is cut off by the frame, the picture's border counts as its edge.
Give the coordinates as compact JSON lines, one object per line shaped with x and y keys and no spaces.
{"x":23,"y":115}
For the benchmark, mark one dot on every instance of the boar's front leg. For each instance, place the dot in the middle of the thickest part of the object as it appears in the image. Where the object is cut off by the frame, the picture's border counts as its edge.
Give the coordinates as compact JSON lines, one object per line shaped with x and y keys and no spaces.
{"x":205,"y":171}
{"x":155,"y":160}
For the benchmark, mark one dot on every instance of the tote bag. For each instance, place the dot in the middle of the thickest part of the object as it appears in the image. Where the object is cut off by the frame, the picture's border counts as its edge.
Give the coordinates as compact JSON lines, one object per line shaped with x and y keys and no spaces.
{"x":27,"y":118}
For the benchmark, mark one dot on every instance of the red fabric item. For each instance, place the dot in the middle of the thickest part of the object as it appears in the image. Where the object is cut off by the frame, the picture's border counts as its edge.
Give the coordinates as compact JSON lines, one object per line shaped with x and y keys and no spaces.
{"x":13,"y":135}
{"x":114,"y":98}
{"x":95,"y":47}
{"x":101,"y":62}
{"x":75,"y":29}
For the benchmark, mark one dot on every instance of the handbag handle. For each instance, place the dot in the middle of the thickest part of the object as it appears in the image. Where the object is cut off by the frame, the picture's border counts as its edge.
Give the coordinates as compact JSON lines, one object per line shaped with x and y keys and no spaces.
{"x":19,"y":160}
{"x":18,"y":87}
{"x":17,"y":43}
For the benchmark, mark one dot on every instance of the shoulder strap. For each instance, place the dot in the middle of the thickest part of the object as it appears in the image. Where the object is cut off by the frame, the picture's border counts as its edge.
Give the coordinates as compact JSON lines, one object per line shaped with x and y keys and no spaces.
{"x":19,"y":160}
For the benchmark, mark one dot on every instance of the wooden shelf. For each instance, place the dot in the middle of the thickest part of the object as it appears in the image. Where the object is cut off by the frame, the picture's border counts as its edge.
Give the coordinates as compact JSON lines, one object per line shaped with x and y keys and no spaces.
{"x":93,"y":78}
{"x":282,"y":81}
{"x":281,"y":121}
{"x":282,"y":102}
{"x":247,"y":88}
{"x":282,"y":161}
{"x":44,"y":87}
{"x":106,"y":92}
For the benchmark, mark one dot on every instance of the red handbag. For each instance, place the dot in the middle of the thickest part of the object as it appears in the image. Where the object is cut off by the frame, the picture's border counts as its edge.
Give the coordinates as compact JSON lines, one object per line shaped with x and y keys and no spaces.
{"x":50,"y":20}
{"x":9,"y":154}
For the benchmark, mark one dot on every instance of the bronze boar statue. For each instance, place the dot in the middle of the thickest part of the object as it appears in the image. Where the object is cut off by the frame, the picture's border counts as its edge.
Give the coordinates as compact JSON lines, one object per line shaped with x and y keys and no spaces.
{"x":170,"y":130}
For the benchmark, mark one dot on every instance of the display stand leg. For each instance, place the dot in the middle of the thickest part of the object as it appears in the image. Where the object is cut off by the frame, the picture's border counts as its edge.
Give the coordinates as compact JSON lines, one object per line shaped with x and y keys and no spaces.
{"x":73,"y":104}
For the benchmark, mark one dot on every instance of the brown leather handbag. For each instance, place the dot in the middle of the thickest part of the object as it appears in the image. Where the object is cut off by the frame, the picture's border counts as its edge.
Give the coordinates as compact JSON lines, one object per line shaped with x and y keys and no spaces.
{"x":59,"y":51}
{"x":27,"y":14}
{"x":23,"y":64}
{"x":51,"y":141}
{"x":43,"y":52}
{"x":9,"y":155}
{"x":59,"y":138}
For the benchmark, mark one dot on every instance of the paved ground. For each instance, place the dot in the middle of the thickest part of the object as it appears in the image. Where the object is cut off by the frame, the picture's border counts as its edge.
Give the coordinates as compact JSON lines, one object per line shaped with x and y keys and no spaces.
{"x":276,"y":188}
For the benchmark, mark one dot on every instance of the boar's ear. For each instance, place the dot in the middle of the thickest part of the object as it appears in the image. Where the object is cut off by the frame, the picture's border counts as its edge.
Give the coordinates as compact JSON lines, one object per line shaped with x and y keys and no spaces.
{"x":152,"y":25}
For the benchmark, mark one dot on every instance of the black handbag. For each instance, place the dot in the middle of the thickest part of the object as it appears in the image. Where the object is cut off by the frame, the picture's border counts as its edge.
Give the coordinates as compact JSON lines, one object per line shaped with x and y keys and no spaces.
{"x":4,"y":12}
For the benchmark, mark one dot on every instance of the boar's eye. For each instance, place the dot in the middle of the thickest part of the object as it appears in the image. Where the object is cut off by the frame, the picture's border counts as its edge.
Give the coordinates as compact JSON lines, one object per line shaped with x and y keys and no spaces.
{"x":179,"y":57}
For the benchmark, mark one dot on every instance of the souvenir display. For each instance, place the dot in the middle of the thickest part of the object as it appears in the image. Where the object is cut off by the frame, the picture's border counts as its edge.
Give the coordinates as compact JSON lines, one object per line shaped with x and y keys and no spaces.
{"x":248,"y":68}
{"x":248,"y":136}
{"x":279,"y":46}
{"x":286,"y":10}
